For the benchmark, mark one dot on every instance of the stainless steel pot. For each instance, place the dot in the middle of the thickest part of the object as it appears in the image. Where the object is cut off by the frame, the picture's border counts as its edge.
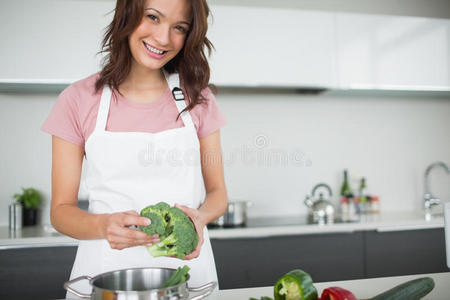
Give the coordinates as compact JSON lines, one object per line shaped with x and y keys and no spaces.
{"x":235,"y":215}
{"x":138,"y":284}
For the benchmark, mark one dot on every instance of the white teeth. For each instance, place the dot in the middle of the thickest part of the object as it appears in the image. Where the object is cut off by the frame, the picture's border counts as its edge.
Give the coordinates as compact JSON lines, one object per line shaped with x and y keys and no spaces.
{"x":154,"y":50}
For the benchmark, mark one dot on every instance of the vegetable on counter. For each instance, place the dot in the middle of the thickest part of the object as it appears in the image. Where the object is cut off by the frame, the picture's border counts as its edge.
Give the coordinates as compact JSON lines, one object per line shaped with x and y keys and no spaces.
{"x":179,"y":276}
{"x":410,"y":290}
{"x":298,"y":285}
{"x":176,"y":231}
{"x":337,"y":293}
{"x":295,"y":285}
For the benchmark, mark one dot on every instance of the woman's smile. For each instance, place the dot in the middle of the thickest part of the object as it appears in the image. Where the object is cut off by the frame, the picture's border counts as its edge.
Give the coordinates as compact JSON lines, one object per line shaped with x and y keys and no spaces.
{"x":153,"y":51}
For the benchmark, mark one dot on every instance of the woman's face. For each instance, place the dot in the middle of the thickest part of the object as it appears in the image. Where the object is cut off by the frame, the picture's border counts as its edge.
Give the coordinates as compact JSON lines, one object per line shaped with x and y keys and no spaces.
{"x":161,"y":34}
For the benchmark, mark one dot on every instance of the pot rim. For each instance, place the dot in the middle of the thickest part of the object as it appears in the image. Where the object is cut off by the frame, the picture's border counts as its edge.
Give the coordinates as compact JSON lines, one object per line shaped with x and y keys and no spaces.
{"x":91,"y":281}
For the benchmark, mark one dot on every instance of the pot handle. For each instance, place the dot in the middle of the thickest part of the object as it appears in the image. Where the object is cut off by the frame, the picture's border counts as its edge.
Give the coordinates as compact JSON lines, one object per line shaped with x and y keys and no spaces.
{"x":68,"y":288}
{"x":209,"y":287}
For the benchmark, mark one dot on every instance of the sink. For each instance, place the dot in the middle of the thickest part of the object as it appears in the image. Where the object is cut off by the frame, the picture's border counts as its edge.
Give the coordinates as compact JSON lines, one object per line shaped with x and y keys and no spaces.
{"x":433,"y":216}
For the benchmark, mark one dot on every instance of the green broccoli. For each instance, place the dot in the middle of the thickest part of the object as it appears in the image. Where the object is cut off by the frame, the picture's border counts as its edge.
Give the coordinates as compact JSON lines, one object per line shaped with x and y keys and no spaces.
{"x":179,"y":276}
{"x":156,"y":213}
{"x":177,"y":233}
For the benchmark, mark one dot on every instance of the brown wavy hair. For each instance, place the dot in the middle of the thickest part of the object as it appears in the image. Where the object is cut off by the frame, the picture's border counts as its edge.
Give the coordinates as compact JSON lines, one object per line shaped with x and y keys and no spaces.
{"x":191,"y":62}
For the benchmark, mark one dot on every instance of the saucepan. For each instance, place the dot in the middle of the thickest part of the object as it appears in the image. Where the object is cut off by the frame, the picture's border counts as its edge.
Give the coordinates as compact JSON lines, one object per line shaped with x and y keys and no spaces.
{"x":235,"y":215}
{"x":138,"y":284}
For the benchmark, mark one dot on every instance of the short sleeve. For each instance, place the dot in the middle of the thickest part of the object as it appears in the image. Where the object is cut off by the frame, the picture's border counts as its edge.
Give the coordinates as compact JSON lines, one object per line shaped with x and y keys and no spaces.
{"x":210,"y":116}
{"x":64,"y":120}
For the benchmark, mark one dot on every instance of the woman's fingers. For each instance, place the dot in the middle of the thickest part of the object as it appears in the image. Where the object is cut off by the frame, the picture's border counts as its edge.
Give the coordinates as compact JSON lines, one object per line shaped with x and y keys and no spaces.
{"x":120,"y":242}
{"x":120,"y":236}
{"x":130,"y":233}
{"x":131,"y":217}
{"x":191,"y":212}
{"x":131,"y":213}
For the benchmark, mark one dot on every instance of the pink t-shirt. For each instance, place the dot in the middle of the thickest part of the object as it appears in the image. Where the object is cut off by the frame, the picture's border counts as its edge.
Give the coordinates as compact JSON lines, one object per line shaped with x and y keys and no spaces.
{"x":74,"y":115}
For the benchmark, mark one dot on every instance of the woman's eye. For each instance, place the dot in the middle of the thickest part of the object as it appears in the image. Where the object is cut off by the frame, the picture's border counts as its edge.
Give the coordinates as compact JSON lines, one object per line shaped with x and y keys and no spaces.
{"x":152,"y":17}
{"x":181,"y":29}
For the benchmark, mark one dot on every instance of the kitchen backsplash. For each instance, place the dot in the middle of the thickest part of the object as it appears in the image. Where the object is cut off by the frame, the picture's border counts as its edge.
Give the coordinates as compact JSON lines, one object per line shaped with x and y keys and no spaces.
{"x":276,"y":147}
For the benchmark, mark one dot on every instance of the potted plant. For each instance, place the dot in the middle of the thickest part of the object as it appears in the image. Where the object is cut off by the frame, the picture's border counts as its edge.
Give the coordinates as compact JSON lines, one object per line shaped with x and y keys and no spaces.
{"x":30,"y":200}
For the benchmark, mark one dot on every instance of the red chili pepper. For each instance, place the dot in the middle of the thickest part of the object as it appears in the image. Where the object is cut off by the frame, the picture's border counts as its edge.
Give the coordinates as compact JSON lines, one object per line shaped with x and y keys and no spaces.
{"x":337,"y":293}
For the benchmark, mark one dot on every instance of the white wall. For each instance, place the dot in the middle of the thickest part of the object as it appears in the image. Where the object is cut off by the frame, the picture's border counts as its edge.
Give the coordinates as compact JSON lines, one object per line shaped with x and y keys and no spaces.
{"x":390,"y":140}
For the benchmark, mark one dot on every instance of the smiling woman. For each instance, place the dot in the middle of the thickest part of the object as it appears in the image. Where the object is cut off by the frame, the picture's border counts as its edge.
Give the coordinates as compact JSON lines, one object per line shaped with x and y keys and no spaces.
{"x":171,"y":32}
{"x":157,"y":73}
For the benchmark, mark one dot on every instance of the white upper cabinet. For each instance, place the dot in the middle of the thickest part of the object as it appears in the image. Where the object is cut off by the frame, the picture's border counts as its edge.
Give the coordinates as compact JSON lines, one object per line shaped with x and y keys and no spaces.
{"x":272,"y":47}
{"x":51,"y":41}
{"x":392,"y":52}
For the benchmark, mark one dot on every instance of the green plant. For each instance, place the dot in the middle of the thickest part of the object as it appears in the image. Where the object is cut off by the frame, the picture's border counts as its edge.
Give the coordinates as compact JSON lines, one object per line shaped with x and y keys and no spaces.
{"x":29,"y":198}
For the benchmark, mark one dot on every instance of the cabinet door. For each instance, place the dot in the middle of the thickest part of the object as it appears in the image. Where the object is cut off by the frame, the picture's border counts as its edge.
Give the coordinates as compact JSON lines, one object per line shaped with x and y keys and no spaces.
{"x":258,"y":46}
{"x":55,"y":40}
{"x":405,"y":252}
{"x":254,"y":262}
{"x":385,"y":52}
{"x":35,"y":273}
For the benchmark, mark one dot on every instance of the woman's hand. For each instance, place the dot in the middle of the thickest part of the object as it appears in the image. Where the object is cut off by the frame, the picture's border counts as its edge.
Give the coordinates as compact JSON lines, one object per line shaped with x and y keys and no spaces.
{"x":193,"y":214}
{"x":115,"y":229}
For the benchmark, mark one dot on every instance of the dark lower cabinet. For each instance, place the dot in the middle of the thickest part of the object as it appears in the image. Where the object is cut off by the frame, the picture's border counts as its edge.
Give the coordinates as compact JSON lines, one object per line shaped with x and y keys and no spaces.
{"x":35,"y":273}
{"x":39,"y":273}
{"x":405,"y":252}
{"x":254,"y":262}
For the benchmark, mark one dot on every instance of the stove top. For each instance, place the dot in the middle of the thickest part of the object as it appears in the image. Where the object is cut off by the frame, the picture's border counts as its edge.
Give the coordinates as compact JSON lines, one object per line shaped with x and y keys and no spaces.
{"x":275,"y":221}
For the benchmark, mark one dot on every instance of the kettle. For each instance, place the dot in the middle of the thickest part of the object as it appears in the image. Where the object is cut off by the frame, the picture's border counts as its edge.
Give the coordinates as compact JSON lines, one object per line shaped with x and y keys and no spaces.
{"x":321,"y":210}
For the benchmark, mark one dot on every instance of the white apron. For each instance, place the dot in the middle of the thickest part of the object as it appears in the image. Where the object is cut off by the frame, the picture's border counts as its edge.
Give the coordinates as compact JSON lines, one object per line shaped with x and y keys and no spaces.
{"x":131,"y":170}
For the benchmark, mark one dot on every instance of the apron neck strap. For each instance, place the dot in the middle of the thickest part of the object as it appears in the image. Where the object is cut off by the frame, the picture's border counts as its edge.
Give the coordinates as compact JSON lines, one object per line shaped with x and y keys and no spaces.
{"x":173,"y":80}
{"x":103,"y":109}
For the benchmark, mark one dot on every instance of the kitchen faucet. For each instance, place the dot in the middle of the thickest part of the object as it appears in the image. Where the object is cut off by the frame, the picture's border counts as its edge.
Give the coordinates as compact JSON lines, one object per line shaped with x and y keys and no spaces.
{"x":429,"y":199}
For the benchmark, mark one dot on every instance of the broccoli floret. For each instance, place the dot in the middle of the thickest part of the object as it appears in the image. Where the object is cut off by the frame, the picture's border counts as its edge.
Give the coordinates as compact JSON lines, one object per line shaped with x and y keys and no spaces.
{"x":178,"y":237}
{"x":162,"y":206}
{"x":179,"y":276}
{"x":181,"y":241}
{"x":156,"y":213}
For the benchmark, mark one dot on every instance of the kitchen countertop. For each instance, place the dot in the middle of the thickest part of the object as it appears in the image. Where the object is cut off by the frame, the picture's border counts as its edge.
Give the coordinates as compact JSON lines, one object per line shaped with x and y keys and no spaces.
{"x":31,"y":236}
{"x":256,"y":227}
{"x":294,"y":225}
{"x":362,"y":288}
